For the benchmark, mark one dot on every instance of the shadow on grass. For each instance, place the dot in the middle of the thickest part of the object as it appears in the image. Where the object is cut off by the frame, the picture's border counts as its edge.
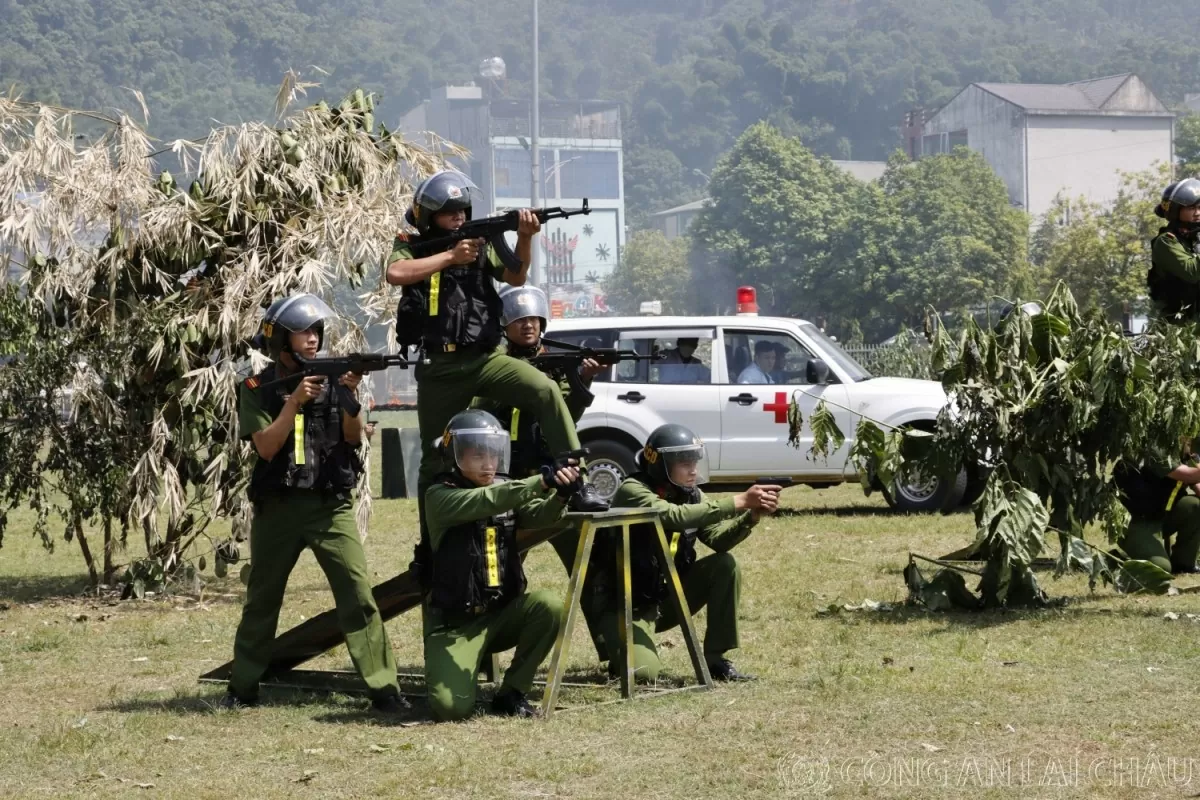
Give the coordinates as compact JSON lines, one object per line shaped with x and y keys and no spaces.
{"x":1073,"y":608}
{"x":853,"y":511}
{"x":29,"y":589}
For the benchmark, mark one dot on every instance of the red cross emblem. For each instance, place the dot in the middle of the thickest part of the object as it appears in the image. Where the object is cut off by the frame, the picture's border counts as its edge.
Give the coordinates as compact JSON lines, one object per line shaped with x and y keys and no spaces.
{"x":780,"y":407}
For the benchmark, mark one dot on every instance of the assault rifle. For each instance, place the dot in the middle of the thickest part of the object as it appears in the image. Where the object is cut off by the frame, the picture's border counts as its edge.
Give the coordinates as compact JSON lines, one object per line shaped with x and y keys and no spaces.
{"x":570,"y":361}
{"x":492,"y":229}
{"x":334,"y":367}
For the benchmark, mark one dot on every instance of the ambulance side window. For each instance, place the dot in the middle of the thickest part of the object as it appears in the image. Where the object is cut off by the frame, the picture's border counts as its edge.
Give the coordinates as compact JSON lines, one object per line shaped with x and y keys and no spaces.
{"x":765,"y":357}
{"x":687,"y":360}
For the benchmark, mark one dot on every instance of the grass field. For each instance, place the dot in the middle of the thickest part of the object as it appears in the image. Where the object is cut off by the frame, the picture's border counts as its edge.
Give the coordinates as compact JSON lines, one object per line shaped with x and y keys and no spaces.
{"x":99,"y":698}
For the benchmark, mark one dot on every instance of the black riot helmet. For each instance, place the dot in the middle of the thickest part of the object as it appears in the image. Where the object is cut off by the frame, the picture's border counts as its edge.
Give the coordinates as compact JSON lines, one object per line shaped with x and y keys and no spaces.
{"x":668,"y":447}
{"x":473,"y":437}
{"x":447,"y":190}
{"x":293,"y":314}
{"x":1178,"y":195}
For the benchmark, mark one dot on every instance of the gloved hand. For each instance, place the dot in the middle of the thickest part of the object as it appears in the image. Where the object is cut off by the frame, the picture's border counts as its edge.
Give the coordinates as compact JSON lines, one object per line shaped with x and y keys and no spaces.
{"x":566,"y":480}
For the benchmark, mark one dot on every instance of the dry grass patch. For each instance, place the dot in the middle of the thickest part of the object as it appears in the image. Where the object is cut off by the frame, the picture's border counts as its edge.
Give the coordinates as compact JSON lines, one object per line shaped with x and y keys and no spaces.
{"x":100,"y":698}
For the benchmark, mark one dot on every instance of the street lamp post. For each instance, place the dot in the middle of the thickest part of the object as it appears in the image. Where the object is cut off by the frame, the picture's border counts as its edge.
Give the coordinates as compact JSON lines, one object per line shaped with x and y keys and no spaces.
{"x":535,"y":160}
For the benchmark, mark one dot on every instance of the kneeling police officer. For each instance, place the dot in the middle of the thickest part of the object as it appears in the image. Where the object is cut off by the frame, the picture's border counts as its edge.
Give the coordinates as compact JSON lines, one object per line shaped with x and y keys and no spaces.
{"x":1164,"y":525}
{"x":476,"y":603}
{"x":301,"y":487}
{"x":672,"y":464}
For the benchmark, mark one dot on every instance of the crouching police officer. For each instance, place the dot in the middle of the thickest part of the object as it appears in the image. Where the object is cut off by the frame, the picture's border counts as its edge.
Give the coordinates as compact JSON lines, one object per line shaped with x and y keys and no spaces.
{"x":1174,"y":277}
{"x":1160,"y":510}
{"x":476,"y":603}
{"x":301,"y":488}
{"x":672,"y":464}
{"x":449,"y":306}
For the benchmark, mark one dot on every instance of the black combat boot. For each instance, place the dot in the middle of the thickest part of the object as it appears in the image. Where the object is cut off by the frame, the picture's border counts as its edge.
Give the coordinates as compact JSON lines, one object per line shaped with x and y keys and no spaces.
{"x":391,"y":704}
{"x":723,"y":670}
{"x":234,"y":703}
{"x":587,"y":499}
{"x":511,"y":703}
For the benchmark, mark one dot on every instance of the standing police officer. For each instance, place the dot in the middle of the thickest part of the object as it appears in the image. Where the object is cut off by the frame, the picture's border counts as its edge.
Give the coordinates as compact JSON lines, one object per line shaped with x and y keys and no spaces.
{"x":301,"y":488}
{"x":450,"y":307}
{"x":477,"y":604}
{"x":673,"y":463}
{"x":1174,"y":277}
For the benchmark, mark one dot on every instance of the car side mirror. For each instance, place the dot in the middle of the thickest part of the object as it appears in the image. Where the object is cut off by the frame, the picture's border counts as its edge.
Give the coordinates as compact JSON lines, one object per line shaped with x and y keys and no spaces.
{"x":817,"y":372}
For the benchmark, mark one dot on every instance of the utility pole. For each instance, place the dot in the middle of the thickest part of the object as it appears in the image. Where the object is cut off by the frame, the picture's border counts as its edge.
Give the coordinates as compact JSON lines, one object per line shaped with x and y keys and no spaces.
{"x":535,"y":160}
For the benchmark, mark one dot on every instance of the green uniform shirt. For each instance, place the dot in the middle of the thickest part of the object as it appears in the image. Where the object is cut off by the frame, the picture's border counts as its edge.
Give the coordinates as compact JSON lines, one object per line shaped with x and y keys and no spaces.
{"x":1175,"y":258}
{"x":719,"y":525}
{"x":252,"y":415}
{"x":447,"y":506}
{"x":401,"y":251}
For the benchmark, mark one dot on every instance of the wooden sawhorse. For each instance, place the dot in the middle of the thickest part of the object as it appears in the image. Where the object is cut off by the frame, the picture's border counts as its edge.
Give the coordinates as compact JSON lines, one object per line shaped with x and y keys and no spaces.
{"x":623,"y":518}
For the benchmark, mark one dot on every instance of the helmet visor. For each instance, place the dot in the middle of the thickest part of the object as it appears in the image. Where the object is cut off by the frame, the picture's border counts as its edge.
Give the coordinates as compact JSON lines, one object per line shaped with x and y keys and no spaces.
{"x":481,"y":452}
{"x":523,"y":302}
{"x":686,"y":465}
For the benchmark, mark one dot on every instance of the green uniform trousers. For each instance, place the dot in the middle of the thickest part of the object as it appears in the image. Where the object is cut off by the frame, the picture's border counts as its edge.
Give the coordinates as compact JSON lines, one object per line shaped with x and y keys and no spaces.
{"x":1150,"y":540}
{"x":283,"y":526}
{"x":447,"y":384}
{"x":713,"y":581}
{"x":456,"y":647}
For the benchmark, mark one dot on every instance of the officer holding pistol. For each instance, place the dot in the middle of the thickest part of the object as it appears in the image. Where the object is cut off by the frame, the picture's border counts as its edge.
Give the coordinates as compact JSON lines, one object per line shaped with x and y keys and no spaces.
{"x":450,"y":307}
{"x":672,"y":465}
{"x":1164,"y":520}
{"x":477,"y":604}
{"x":307,"y":468}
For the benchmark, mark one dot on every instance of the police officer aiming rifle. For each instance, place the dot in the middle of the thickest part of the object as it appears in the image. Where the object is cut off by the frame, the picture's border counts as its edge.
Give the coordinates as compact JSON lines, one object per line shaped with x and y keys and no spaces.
{"x":449,"y":307}
{"x":307,"y":446}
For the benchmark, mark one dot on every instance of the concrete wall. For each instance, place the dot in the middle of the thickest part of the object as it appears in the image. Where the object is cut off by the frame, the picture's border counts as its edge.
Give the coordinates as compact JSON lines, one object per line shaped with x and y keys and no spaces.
{"x":1084,"y":155}
{"x":995,"y":128}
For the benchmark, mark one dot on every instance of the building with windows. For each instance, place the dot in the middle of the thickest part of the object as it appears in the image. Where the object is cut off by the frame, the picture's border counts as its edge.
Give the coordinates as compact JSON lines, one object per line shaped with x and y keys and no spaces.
{"x":1045,"y":139}
{"x":581,"y":157}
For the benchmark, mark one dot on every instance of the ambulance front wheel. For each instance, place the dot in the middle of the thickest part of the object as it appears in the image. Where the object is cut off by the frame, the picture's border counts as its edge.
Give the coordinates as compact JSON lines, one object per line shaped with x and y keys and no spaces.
{"x":608,"y":464}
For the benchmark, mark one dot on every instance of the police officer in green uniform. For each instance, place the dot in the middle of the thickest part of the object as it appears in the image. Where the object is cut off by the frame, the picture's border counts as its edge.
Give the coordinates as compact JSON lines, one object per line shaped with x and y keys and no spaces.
{"x":450,"y":308}
{"x":523,"y":317}
{"x":1174,"y":277}
{"x":301,"y":488}
{"x":672,"y":465}
{"x":1164,"y":525}
{"x":476,"y":603}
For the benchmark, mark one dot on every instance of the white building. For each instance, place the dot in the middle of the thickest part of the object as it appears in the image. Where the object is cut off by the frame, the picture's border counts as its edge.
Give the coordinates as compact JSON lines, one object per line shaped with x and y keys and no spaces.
{"x":675,"y":221}
{"x":580,"y":151}
{"x":1046,"y":139}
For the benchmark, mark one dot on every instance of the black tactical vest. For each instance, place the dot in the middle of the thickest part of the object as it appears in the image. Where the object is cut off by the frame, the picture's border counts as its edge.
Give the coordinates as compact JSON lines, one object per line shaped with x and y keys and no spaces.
{"x":1145,"y":496}
{"x":315,"y":455}
{"x":1173,"y":297}
{"x":457,"y":306}
{"x":647,"y":573}
{"x":476,"y":567}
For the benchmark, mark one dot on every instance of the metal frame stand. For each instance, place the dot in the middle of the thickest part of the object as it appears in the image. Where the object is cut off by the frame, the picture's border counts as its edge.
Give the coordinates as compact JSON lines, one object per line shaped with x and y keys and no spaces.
{"x":623,"y":518}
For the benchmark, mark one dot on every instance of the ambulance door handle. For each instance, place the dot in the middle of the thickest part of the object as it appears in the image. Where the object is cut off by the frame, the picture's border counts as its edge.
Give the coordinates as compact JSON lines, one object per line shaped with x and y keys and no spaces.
{"x":744,"y":399}
{"x":632,"y":397}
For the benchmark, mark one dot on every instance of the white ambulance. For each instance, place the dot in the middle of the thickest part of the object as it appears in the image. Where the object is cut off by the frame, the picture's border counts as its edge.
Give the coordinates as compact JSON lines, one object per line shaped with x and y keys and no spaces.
{"x":730,"y":379}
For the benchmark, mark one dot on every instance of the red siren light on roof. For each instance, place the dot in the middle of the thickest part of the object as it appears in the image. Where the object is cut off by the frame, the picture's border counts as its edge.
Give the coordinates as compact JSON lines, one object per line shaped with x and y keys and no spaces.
{"x":747,"y":301}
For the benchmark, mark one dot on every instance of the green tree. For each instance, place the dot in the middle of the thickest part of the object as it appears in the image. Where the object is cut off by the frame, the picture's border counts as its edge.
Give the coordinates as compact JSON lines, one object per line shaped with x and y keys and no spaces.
{"x":776,"y":208}
{"x":1187,"y":145}
{"x":939,"y":231}
{"x":652,"y":267}
{"x":1101,"y":253}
